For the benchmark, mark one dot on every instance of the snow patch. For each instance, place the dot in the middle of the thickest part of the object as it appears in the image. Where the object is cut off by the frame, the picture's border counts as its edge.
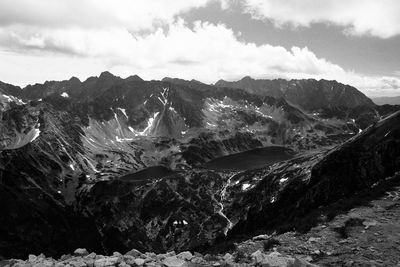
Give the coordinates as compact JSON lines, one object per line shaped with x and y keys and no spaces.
{"x":149,"y":124}
{"x":123,"y":111}
{"x":245,"y":186}
{"x":121,"y":140}
{"x":283,"y":180}
{"x":172,"y":109}
{"x":36,"y":133}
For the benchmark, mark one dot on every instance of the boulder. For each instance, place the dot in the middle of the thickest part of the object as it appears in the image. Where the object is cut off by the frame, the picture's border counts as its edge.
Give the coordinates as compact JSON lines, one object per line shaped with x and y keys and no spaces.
{"x":185,"y":255}
{"x":77,"y":263}
{"x":261,"y":237}
{"x":32,"y":258}
{"x":174,"y":262}
{"x":134,"y":253}
{"x":108,"y":261}
{"x":258,"y":256}
{"x":81,"y":252}
{"x":139,"y":262}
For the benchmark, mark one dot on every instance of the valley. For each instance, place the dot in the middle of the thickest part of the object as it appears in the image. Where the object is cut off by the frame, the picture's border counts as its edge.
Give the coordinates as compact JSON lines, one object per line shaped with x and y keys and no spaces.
{"x":112,"y":164}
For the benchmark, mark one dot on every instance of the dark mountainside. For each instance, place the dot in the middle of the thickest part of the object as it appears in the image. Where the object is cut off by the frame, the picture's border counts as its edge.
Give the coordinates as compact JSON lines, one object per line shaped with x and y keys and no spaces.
{"x":112,"y":164}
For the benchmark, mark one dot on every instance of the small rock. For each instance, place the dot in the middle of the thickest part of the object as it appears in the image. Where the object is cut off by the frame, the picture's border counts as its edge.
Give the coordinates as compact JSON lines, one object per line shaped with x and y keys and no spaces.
{"x":91,"y":256}
{"x":276,"y":259}
{"x":81,"y":252}
{"x":368,"y":224}
{"x":139,"y":262}
{"x":170,"y":253}
{"x":174,"y":262}
{"x":117,"y":254}
{"x":302,"y":263}
{"x":151,"y":255}
{"x":123,"y":264}
{"x":65,"y":257}
{"x":32,"y":258}
{"x":197,"y":254}
{"x":17,"y":264}
{"x":261,"y":237}
{"x":185,"y":255}
{"x":153,"y":264}
{"x":314,"y":239}
{"x":316,"y":252}
{"x":44,"y":263}
{"x":77,"y":263}
{"x":258,"y":256}
{"x":108,"y":261}
{"x":196,"y":261}
{"x":134,"y":253}
{"x":228,"y":257}
{"x":129,"y":259}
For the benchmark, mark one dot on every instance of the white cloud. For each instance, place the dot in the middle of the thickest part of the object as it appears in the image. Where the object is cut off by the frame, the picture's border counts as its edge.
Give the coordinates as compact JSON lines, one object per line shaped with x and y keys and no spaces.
{"x":130,"y":14}
{"x":206,"y":52}
{"x":359,"y":17}
{"x":53,"y":40}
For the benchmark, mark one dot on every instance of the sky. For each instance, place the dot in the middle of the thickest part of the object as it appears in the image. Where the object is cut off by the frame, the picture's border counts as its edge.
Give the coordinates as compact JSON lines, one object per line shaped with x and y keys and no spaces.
{"x":355,"y":42}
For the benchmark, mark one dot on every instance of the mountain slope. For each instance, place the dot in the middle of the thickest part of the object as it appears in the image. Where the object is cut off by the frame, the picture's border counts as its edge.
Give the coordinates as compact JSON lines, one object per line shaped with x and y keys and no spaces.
{"x":291,"y":189}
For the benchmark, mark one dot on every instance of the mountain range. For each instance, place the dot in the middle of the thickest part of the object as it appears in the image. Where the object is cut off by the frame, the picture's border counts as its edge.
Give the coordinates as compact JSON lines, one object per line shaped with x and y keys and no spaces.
{"x":111,"y":163}
{"x":391,"y":100}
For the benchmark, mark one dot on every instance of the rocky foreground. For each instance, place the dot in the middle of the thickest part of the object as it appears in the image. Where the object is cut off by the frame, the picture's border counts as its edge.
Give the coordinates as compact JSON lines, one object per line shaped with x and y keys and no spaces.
{"x":134,"y":257}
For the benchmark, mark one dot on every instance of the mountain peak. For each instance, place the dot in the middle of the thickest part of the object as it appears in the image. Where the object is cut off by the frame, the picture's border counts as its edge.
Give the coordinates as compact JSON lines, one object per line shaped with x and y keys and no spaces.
{"x":74,"y":79}
{"x":133,"y":78}
{"x":107,"y":75}
{"x":247,"y":78}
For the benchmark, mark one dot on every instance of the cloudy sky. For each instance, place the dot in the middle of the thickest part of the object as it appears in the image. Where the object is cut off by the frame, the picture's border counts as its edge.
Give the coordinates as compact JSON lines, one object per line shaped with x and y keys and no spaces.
{"x":353,"y":41}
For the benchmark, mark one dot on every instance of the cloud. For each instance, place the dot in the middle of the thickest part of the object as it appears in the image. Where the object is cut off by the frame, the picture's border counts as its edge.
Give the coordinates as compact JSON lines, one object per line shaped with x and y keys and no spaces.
{"x":358,"y":17}
{"x":134,"y":15}
{"x":50,"y":39}
{"x":205,"y":52}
